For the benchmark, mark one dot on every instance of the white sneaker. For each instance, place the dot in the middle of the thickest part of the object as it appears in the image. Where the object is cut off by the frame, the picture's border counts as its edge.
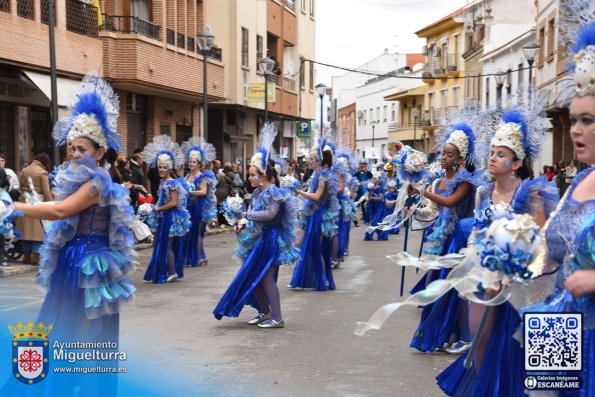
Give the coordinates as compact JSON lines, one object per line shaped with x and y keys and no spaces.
{"x":4,"y":264}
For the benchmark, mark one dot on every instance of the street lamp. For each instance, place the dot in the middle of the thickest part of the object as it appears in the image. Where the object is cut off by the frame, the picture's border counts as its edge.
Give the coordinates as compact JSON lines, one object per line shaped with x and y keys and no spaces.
{"x":415,"y":114}
{"x":205,"y":43}
{"x":530,"y":51}
{"x":500,"y":79}
{"x":321,"y":90}
{"x":266,"y":66}
{"x":373,"y":124}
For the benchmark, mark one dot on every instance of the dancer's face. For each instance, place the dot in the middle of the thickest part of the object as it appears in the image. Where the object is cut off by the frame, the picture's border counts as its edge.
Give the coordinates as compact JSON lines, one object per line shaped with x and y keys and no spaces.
{"x":312,"y":162}
{"x":582,"y":130}
{"x":163,"y":170}
{"x":193,"y":164}
{"x":502,"y":161}
{"x":81,"y":147}
{"x":451,"y":157}
{"x":255,"y":177}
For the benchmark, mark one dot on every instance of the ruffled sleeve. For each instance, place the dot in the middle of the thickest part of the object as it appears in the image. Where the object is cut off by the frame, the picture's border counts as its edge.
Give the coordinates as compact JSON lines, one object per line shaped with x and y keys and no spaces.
{"x":209,"y":202}
{"x":104,"y":274}
{"x":532,"y":194}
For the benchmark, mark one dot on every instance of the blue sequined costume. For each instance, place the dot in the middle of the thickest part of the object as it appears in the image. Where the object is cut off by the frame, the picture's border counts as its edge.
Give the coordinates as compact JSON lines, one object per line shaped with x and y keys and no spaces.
{"x":345,"y":209}
{"x":319,"y":222}
{"x":203,"y":210}
{"x":502,"y":371}
{"x":267,"y":241}
{"x":170,"y":224}
{"x":86,"y":261}
{"x":375,"y":208}
{"x":570,"y":241}
{"x":447,"y":235}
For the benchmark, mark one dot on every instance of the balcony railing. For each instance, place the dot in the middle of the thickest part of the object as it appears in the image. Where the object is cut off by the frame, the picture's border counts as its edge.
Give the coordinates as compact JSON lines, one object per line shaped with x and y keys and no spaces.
{"x":289,"y":84}
{"x":5,"y":5}
{"x":290,"y":4}
{"x":81,"y":18}
{"x":217,"y":53}
{"x":130,"y":24}
{"x":25,"y":9}
{"x":171,"y":36}
{"x":442,"y":65}
{"x":181,"y":40}
{"x":191,"y":44}
{"x":45,"y":12}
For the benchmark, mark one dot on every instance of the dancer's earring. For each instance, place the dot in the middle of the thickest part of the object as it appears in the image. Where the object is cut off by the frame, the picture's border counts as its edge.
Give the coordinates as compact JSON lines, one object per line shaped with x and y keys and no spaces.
{"x":513,"y":176}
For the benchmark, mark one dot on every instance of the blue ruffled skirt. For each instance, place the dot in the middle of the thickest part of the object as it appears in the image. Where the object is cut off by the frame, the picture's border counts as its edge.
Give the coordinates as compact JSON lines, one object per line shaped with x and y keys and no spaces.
{"x":502,"y":371}
{"x":265,"y":254}
{"x":313,"y":269}
{"x":87,"y":271}
{"x":188,"y":253}
{"x":157,"y":271}
{"x":439,"y":320}
{"x":379,"y":214}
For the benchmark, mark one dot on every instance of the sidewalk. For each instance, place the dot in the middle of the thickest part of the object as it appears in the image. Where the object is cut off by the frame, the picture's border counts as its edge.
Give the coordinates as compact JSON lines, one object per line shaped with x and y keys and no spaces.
{"x":15,"y":268}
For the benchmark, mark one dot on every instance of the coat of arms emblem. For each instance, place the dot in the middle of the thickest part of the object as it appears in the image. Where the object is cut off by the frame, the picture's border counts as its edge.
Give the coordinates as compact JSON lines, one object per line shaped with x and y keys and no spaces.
{"x":30,"y":351}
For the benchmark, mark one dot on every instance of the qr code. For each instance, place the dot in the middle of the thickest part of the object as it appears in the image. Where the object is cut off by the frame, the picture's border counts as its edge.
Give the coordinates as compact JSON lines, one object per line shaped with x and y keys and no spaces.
{"x":553,"y":341}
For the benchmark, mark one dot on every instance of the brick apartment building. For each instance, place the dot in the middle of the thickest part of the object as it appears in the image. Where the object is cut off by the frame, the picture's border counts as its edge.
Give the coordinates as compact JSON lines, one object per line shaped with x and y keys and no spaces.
{"x":146,"y":49}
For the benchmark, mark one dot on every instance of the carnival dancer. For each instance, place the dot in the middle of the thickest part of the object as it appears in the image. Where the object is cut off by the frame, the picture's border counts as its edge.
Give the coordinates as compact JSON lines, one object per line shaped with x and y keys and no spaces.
{"x":341,"y":170}
{"x":88,"y":250}
{"x":265,"y":243}
{"x":318,"y":223}
{"x":392,"y":192}
{"x":172,"y":219}
{"x":453,"y":195}
{"x":375,"y":209}
{"x":363,"y":176}
{"x":497,"y":359}
{"x":570,"y":231}
{"x":201,"y":202}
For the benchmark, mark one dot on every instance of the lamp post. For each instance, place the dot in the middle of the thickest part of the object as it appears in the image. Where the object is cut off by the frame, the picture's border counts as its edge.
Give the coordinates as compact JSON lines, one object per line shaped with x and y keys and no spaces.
{"x":321,"y":90}
{"x":415,"y":114}
{"x":266,"y":65}
{"x":205,"y":43}
{"x":530,"y":51}
{"x":500,"y":79}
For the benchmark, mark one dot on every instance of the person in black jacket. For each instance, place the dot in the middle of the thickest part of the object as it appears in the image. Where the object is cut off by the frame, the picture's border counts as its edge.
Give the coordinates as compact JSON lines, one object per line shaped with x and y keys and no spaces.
{"x":137,"y":176}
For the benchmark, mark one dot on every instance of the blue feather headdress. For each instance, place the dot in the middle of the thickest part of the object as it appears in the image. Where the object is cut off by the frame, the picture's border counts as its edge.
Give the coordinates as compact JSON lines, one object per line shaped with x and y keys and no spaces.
{"x":468,"y":129}
{"x":93,"y":115}
{"x":199,"y":149}
{"x":261,"y":158}
{"x":522,"y":129}
{"x":164,"y":151}
{"x":577,"y":32}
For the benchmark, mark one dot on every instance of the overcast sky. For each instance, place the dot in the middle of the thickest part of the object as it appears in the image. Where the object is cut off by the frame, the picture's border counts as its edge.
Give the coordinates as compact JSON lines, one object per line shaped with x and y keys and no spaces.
{"x":352,"y":32}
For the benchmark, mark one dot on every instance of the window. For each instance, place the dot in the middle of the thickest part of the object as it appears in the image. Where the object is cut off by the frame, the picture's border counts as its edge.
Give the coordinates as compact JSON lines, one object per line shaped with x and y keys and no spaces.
{"x":365,"y":117}
{"x":302,"y":72}
{"x":541,"y":40}
{"x":385,"y":113}
{"x":521,"y":73}
{"x":311,"y":83}
{"x":258,"y":49}
{"x":245,"y":47}
{"x":393,"y":112}
{"x":378,"y":114}
{"x":303,"y":5}
{"x":551,"y":33}
{"x":140,"y":8}
{"x":455,"y":96}
{"x":311,"y":8}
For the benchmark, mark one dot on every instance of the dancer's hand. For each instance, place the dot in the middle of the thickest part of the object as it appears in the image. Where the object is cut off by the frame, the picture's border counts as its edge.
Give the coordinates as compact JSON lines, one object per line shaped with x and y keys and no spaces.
{"x":581,"y":282}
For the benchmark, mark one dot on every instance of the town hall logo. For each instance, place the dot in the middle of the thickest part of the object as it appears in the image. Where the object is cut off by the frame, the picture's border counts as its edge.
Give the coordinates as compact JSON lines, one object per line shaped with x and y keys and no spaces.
{"x":30,"y":351}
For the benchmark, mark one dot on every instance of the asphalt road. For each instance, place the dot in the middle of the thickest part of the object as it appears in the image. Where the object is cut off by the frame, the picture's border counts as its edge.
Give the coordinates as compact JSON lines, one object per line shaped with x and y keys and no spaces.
{"x":175,"y":343}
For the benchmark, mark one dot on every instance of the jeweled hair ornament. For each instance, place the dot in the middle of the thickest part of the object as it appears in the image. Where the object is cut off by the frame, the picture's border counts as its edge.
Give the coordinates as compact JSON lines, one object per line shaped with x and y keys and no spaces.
{"x":93,"y":114}
{"x":468,"y":130}
{"x":199,"y":149}
{"x":163,"y":151}
{"x":266,"y":138}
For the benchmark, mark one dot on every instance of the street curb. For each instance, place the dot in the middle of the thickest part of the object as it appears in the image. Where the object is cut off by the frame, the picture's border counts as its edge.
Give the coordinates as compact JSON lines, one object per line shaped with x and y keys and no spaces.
{"x":15,"y":268}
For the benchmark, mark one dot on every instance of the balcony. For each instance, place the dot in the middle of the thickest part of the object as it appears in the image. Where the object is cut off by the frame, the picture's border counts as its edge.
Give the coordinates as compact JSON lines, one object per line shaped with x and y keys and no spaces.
{"x":5,"y":5}
{"x":81,"y":18}
{"x":440,"y":67}
{"x":216,"y":54}
{"x":130,"y":24}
